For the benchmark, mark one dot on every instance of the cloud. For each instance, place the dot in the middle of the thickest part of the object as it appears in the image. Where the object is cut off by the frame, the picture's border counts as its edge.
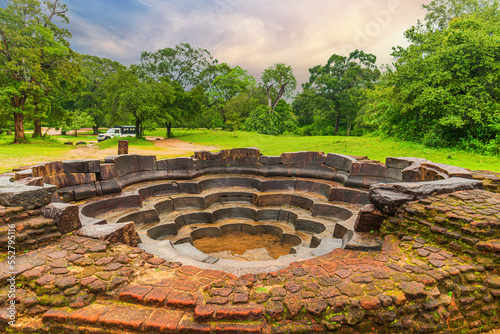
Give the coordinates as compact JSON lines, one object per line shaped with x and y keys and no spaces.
{"x":253,"y":34}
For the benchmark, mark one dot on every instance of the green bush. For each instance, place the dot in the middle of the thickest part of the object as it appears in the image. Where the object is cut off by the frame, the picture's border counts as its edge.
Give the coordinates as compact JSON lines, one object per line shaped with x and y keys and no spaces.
{"x":276,"y":123}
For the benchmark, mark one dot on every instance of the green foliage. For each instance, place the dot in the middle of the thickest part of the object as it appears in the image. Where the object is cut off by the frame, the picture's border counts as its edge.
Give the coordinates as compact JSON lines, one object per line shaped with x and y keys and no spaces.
{"x":446,"y":85}
{"x":35,"y":59}
{"x":182,"y":64}
{"x":76,"y":119}
{"x":276,"y":123}
{"x":279,"y":82}
{"x":96,"y":71}
{"x":334,"y":93}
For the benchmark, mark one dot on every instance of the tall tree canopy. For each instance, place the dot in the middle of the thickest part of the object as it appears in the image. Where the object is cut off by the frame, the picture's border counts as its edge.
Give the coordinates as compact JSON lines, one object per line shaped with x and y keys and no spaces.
{"x":339,"y":84}
{"x":279,"y":82}
{"x":182,"y":64}
{"x":92,"y":98}
{"x":441,"y":12}
{"x":34,"y":54}
{"x":223,"y":83}
{"x":447,"y":83}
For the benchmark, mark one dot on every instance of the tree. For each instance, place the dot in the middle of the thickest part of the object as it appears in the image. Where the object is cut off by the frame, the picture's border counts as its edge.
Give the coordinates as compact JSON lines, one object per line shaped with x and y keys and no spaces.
{"x":92,"y":98}
{"x":279,"y":81}
{"x":446,"y":84}
{"x":75,"y":119}
{"x":223,"y":83}
{"x":32,"y":49}
{"x":182,"y":64}
{"x":183,"y":68}
{"x":340,"y":84}
{"x":441,"y":12}
{"x":262,"y":121}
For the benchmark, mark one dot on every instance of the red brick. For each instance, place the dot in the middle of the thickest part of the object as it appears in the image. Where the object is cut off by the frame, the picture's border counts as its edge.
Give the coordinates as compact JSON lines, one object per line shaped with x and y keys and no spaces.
{"x":34,"y":273}
{"x":240,"y":298}
{"x":104,"y":261}
{"x":163,"y":322}
{"x":204,"y":312}
{"x":56,"y":315}
{"x":238,"y":313}
{"x":45,"y":279}
{"x":125,"y":317}
{"x":238,"y":328}
{"x":156,"y":261}
{"x":214,"y":274}
{"x":65,"y":282}
{"x":370,"y":303}
{"x":186,"y":285}
{"x":87,"y":280}
{"x":134,"y":293}
{"x":157,"y":296}
{"x":223,"y":292}
{"x":188,"y":270}
{"x":181,"y":299}
{"x":88,"y":315}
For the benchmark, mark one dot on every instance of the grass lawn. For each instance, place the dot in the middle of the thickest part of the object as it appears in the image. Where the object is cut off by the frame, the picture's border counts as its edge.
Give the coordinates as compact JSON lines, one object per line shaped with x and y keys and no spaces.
{"x":16,"y":155}
{"x":373,"y":147}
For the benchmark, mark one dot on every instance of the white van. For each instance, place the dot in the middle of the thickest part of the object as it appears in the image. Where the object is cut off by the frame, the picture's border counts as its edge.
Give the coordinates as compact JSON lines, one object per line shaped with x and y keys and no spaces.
{"x":117,"y":132}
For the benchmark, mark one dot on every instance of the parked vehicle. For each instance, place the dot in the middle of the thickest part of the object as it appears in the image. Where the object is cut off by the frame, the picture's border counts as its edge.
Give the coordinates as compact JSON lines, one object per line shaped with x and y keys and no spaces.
{"x":117,"y":132}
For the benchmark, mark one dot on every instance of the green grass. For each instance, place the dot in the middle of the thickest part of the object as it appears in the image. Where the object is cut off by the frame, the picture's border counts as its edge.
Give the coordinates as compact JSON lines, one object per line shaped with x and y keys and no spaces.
{"x":16,"y":155}
{"x":374,"y":147}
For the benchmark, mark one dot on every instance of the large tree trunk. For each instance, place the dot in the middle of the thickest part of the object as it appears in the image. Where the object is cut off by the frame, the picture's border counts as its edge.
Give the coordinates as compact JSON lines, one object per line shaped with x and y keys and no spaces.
{"x":38,"y":128}
{"x":95,"y":128}
{"x":169,"y":129}
{"x":19,"y":128}
{"x":337,"y":124}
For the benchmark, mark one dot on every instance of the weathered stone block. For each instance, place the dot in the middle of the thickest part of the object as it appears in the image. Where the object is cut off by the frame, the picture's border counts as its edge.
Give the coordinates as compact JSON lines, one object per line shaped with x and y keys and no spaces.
{"x":123,"y":202}
{"x":402,"y":162}
{"x":348,"y":195}
{"x":70,"y":179}
{"x":412,"y":173}
{"x":107,"y":187}
{"x":244,"y":152}
{"x":369,"y":169}
{"x":388,"y":197}
{"x":270,"y":160}
{"x":303,"y":158}
{"x":28,"y":197}
{"x":107,"y":171}
{"x":81,"y":166}
{"x":340,"y":161}
{"x":369,"y":219}
{"x":175,"y":164}
{"x":130,"y":163}
{"x":85,"y":191}
{"x":27,"y":173}
{"x":32,"y":181}
{"x":451,"y":171}
{"x":124,"y":233}
{"x":204,"y":155}
{"x":64,"y":215}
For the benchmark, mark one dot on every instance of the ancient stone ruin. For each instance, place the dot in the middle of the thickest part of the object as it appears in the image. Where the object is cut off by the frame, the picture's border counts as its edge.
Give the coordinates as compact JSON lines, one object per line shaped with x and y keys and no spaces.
{"x":239,"y":242}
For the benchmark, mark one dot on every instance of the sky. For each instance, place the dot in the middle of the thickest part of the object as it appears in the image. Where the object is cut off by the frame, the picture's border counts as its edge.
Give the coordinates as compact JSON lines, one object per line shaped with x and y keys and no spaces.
{"x":253,"y":34}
